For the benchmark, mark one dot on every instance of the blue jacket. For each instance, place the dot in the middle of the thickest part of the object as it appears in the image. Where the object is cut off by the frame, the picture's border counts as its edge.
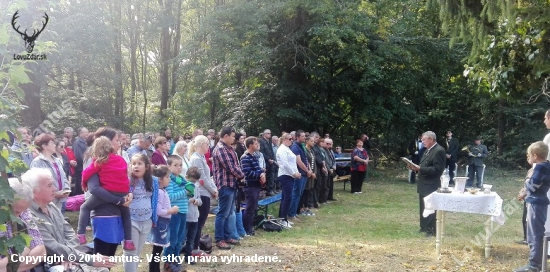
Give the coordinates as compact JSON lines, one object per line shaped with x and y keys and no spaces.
{"x":538,"y":184}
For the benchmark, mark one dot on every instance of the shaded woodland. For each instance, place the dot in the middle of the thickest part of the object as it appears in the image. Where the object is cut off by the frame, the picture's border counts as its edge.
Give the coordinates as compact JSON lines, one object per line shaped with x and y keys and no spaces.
{"x":388,"y":68}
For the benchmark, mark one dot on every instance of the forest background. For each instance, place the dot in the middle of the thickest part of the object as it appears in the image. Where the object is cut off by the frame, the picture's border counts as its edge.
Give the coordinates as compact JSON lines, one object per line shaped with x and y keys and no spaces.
{"x":388,"y":68}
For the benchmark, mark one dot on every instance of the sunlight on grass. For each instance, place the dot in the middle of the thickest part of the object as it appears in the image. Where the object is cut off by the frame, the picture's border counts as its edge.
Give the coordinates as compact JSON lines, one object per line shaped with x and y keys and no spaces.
{"x":378,"y":231}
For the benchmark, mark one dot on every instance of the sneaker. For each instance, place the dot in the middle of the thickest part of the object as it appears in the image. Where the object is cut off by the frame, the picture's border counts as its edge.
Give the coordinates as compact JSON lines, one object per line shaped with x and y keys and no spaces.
{"x":222,"y":245}
{"x":332,"y":199}
{"x":359,"y":192}
{"x":82,"y":239}
{"x":527,"y":268}
{"x":233,"y":242}
{"x":285,"y":224}
{"x":522,"y":242}
{"x":291,"y":223}
{"x":308,"y":213}
{"x":129,"y":245}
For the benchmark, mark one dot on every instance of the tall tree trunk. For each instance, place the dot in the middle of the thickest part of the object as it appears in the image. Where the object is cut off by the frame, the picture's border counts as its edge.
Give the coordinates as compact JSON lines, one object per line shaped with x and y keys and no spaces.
{"x":165,"y":54}
{"x":134,"y":34}
{"x":176,"y":49}
{"x":119,"y":91}
{"x":32,"y":115}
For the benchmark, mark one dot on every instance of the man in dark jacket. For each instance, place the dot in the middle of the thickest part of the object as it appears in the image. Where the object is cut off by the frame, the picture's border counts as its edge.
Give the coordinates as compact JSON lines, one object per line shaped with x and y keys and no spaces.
{"x":79,"y":148}
{"x":267,"y":151}
{"x":416,"y":149}
{"x":429,"y":170}
{"x":451,"y":148}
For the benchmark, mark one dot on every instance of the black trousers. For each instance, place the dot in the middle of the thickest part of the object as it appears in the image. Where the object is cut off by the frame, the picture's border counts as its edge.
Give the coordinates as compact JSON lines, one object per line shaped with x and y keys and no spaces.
{"x":104,"y":248}
{"x":77,"y":182}
{"x":330,"y":185}
{"x":153,"y":265}
{"x":357,"y":178}
{"x":451,"y":163}
{"x":427,"y":224}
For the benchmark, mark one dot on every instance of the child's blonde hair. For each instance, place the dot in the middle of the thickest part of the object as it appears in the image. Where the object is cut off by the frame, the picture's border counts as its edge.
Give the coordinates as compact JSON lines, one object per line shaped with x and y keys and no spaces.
{"x":538,"y":148}
{"x":100,"y":150}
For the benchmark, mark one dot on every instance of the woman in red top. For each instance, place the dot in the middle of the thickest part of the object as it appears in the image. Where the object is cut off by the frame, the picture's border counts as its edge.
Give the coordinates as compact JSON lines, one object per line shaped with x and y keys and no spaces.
{"x":360,"y":159}
{"x":113,"y":177}
{"x":162,"y":146}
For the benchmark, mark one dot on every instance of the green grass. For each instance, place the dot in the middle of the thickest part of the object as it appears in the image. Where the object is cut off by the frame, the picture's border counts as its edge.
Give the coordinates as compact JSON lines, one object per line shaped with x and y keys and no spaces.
{"x":378,"y":231}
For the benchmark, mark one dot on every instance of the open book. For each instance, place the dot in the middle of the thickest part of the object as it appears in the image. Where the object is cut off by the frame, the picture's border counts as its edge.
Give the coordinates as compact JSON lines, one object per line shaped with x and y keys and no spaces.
{"x":409,"y":162}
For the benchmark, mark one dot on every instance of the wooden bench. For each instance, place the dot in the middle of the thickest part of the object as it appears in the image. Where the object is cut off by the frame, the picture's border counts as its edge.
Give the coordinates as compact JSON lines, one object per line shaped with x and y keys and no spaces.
{"x":345,"y":179}
{"x":263,"y":204}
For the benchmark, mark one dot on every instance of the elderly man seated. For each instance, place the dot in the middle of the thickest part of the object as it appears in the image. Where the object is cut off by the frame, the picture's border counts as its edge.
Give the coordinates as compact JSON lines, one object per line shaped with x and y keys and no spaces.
{"x":23,"y":194}
{"x":58,"y":236}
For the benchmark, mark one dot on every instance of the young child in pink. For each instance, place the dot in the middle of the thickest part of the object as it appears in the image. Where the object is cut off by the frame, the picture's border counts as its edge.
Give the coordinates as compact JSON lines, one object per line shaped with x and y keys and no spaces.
{"x":113,"y":177}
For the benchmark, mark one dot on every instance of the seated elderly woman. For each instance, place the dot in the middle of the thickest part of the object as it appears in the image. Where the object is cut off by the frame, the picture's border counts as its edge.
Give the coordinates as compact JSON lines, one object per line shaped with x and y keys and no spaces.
{"x":23,"y":195}
{"x":58,"y":236}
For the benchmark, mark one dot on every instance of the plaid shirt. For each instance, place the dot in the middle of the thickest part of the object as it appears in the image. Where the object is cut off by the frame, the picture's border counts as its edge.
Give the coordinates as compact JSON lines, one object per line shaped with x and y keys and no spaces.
{"x":225,"y":167}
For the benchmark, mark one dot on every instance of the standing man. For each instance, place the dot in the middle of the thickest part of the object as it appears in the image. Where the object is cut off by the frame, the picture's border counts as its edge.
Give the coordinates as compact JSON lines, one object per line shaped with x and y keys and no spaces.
{"x":416,"y":149}
{"x":299,"y":183}
{"x":254,"y":179}
{"x":227,"y":173}
{"x":140,"y":148}
{"x":275,"y":147}
{"x":79,"y":148}
{"x":332,"y":169}
{"x":366,"y":144}
{"x":430,"y":169}
{"x":451,"y":148}
{"x":212,"y":137}
{"x":267,"y":150}
{"x":69,"y":133}
{"x":477,"y":153}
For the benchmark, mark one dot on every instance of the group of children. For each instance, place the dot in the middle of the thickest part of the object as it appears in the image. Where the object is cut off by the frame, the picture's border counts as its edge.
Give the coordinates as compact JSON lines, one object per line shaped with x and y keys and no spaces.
{"x":173,"y":202}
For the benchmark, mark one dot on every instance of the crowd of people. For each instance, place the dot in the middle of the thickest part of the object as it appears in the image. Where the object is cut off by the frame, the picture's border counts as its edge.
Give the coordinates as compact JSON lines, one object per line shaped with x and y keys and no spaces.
{"x":153,"y":188}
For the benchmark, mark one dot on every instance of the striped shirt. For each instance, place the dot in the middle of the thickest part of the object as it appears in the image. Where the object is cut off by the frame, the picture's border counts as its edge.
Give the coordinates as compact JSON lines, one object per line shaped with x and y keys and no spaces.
{"x":225,"y":167}
{"x":252,"y":170}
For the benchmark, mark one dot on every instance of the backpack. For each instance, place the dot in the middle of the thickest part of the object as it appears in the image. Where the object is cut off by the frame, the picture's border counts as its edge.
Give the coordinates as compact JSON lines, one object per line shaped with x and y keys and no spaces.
{"x":205,"y":243}
{"x":266,"y":224}
{"x":270,"y":226}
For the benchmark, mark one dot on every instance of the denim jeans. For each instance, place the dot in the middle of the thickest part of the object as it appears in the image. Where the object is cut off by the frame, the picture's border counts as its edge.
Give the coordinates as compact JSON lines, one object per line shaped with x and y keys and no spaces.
{"x":178,"y":227}
{"x":536,"y":217}
{"x":240,"y":224}
{"x":226,"y":205}
{"x":190,"y":241}
{"x":297,"y":190}
{"x":286,"y":186}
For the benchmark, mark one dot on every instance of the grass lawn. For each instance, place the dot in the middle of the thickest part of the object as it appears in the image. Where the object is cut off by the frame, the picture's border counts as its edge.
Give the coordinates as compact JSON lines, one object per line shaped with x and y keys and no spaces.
{"x":378,"y":231}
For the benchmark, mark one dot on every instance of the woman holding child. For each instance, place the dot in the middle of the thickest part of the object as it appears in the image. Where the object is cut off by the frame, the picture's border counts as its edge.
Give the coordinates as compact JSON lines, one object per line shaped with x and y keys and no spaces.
{"x":106,"y":218}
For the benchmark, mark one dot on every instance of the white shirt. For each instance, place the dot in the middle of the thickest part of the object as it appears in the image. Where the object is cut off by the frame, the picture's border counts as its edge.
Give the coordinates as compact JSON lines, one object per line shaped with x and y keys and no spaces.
{"x":287,"y":161}
{"x":547,"y":141}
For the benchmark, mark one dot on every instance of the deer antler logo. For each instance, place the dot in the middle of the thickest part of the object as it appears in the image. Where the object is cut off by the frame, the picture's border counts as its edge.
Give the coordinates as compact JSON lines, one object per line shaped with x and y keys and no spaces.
{"x":29,"y":40}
